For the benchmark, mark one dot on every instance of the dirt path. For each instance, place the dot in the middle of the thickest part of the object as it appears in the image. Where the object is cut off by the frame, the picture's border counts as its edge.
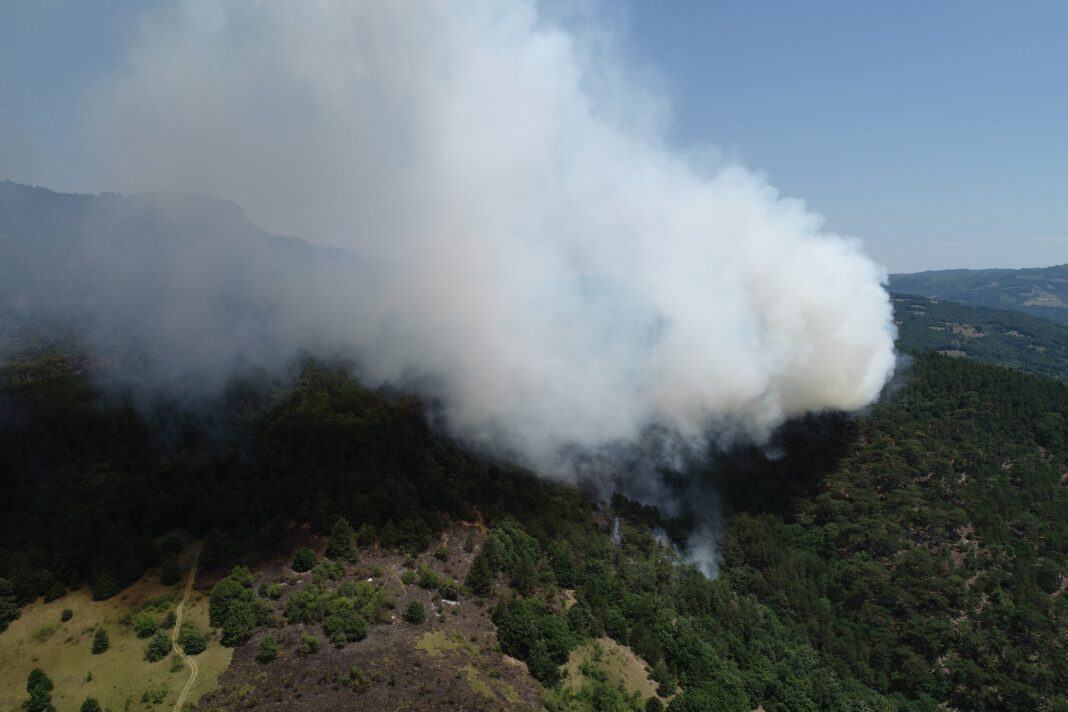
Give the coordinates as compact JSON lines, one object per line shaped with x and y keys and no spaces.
{"x":193,"y":668}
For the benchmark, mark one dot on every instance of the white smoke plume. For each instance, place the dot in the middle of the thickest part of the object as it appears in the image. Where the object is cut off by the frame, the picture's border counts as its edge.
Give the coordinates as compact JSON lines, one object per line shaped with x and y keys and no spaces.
{"x":562,"y":277}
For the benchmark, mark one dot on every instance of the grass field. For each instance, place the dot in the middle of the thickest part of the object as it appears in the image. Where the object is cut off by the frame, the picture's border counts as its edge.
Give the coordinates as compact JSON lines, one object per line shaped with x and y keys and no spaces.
{"x":625,"y":669}
{"x":120,"y":679}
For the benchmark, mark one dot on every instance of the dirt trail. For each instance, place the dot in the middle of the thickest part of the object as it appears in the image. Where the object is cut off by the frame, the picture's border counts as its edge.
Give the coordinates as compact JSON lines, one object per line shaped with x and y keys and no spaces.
{"x":193,"y":668}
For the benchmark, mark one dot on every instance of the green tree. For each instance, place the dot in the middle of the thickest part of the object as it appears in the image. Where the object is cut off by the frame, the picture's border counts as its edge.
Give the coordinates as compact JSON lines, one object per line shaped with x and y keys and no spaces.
{"x":304,"y":559}
{"x":39,"y":686}
{"x":342,"y":543}
{"x":239,"y":624}
{"x":415,"y":613}
{"x":100,"y":641}
{"x":91,"y":705}
{"x":344,"y":626}
{"x":540,"y":665}
{"x":9,"y":607}
{"x":268,"y":649}
{"x":66,"y":615}
{"x":145,"y":625}
{"x":159,"y":647}
{"x":192,"y":641}
{"x":170,"y":572}
{"x":480,"y":577}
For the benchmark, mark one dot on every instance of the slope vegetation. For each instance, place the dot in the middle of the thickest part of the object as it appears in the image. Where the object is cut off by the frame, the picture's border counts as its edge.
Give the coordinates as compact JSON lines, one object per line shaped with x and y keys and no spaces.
{"x":996,"y":336}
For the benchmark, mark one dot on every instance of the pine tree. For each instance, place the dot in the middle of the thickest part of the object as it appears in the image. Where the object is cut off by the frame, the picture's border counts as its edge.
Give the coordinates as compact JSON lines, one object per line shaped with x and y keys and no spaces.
{"x":39,"y":685}
{"x":100,"y":641}
{"x":304,"y":559}
{"x":480,"y":577}
{"x":341,"y":546}
{"x":9,"y":605}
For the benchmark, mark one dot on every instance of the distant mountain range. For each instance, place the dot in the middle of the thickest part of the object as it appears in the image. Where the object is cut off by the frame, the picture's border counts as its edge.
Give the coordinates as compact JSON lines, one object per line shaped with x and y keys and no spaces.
{"x":1041,"y":291}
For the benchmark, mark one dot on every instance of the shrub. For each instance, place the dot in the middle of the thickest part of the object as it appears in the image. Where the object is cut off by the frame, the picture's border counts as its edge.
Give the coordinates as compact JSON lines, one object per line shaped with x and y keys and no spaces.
{"x":170,"y":620}
{"x":91,"y":705}
{"x":159,"y":647}
{"x":192,"y":641}
{"x":100,"y":641}
{"x":145,"y":625}
{"x":344,"y":626}
{"x":308,"y":644}
{"x":449,"y":590}
{"x":408,"y":577}
{"x":304,"y":559}
{"x":267,"y":650}
{"x":66,"y":615}
{"x":441,"y":553}
{"x":428,"y":578}
{"x":414,"y":613}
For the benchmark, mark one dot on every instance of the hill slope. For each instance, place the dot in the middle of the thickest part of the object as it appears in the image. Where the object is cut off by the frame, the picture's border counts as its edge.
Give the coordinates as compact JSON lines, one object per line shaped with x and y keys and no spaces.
{"x":1041,"y":291}
{"x":995,"y":336}
{"x":912,"y":557}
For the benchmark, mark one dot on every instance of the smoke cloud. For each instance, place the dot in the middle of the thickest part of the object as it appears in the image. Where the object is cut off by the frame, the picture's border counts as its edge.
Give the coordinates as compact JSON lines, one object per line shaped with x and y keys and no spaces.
{"x":561,"y":277}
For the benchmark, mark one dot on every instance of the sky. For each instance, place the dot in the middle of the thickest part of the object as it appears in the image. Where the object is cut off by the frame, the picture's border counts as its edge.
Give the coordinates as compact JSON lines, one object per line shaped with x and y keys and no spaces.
{"x":932,"y":131}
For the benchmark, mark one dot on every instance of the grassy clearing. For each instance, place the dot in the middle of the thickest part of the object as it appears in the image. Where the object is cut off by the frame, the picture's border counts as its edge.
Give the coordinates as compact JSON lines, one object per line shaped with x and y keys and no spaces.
{"x":436,"y":643}
{"x":623,"y":667}
{"x":119,"y":678}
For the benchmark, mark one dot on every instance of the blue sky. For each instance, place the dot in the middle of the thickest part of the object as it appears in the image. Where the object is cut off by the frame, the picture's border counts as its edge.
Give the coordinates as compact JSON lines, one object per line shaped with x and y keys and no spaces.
{"x":934,"y":131}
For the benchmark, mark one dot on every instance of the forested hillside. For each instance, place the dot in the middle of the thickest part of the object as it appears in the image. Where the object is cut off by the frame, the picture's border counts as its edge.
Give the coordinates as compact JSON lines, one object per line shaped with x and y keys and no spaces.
{"x":911,"y":557}
{"x":997,"y":336}
{"x":1040,"y":291}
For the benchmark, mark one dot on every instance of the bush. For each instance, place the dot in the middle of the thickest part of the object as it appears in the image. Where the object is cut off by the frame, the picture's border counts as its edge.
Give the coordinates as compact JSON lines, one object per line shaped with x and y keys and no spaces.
{"x":308,"y":644}
{"x":145,"y":625}
{"x":428,"y":578}
{"x":441,"y":553}
{"x":192,"y":641}
{"x":268,"y":649}
{"x":304,"y":559}
{"x":159,"y":647}
{"x":408,"y":577}
{"x":344,"y":626}
{"x":66,"y":615}
{"x":449,"y":590}
{"x":91,"y":705}
{"x":170,"y":620}
{"x":414,"y":613}
{"x":100,"y":641}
